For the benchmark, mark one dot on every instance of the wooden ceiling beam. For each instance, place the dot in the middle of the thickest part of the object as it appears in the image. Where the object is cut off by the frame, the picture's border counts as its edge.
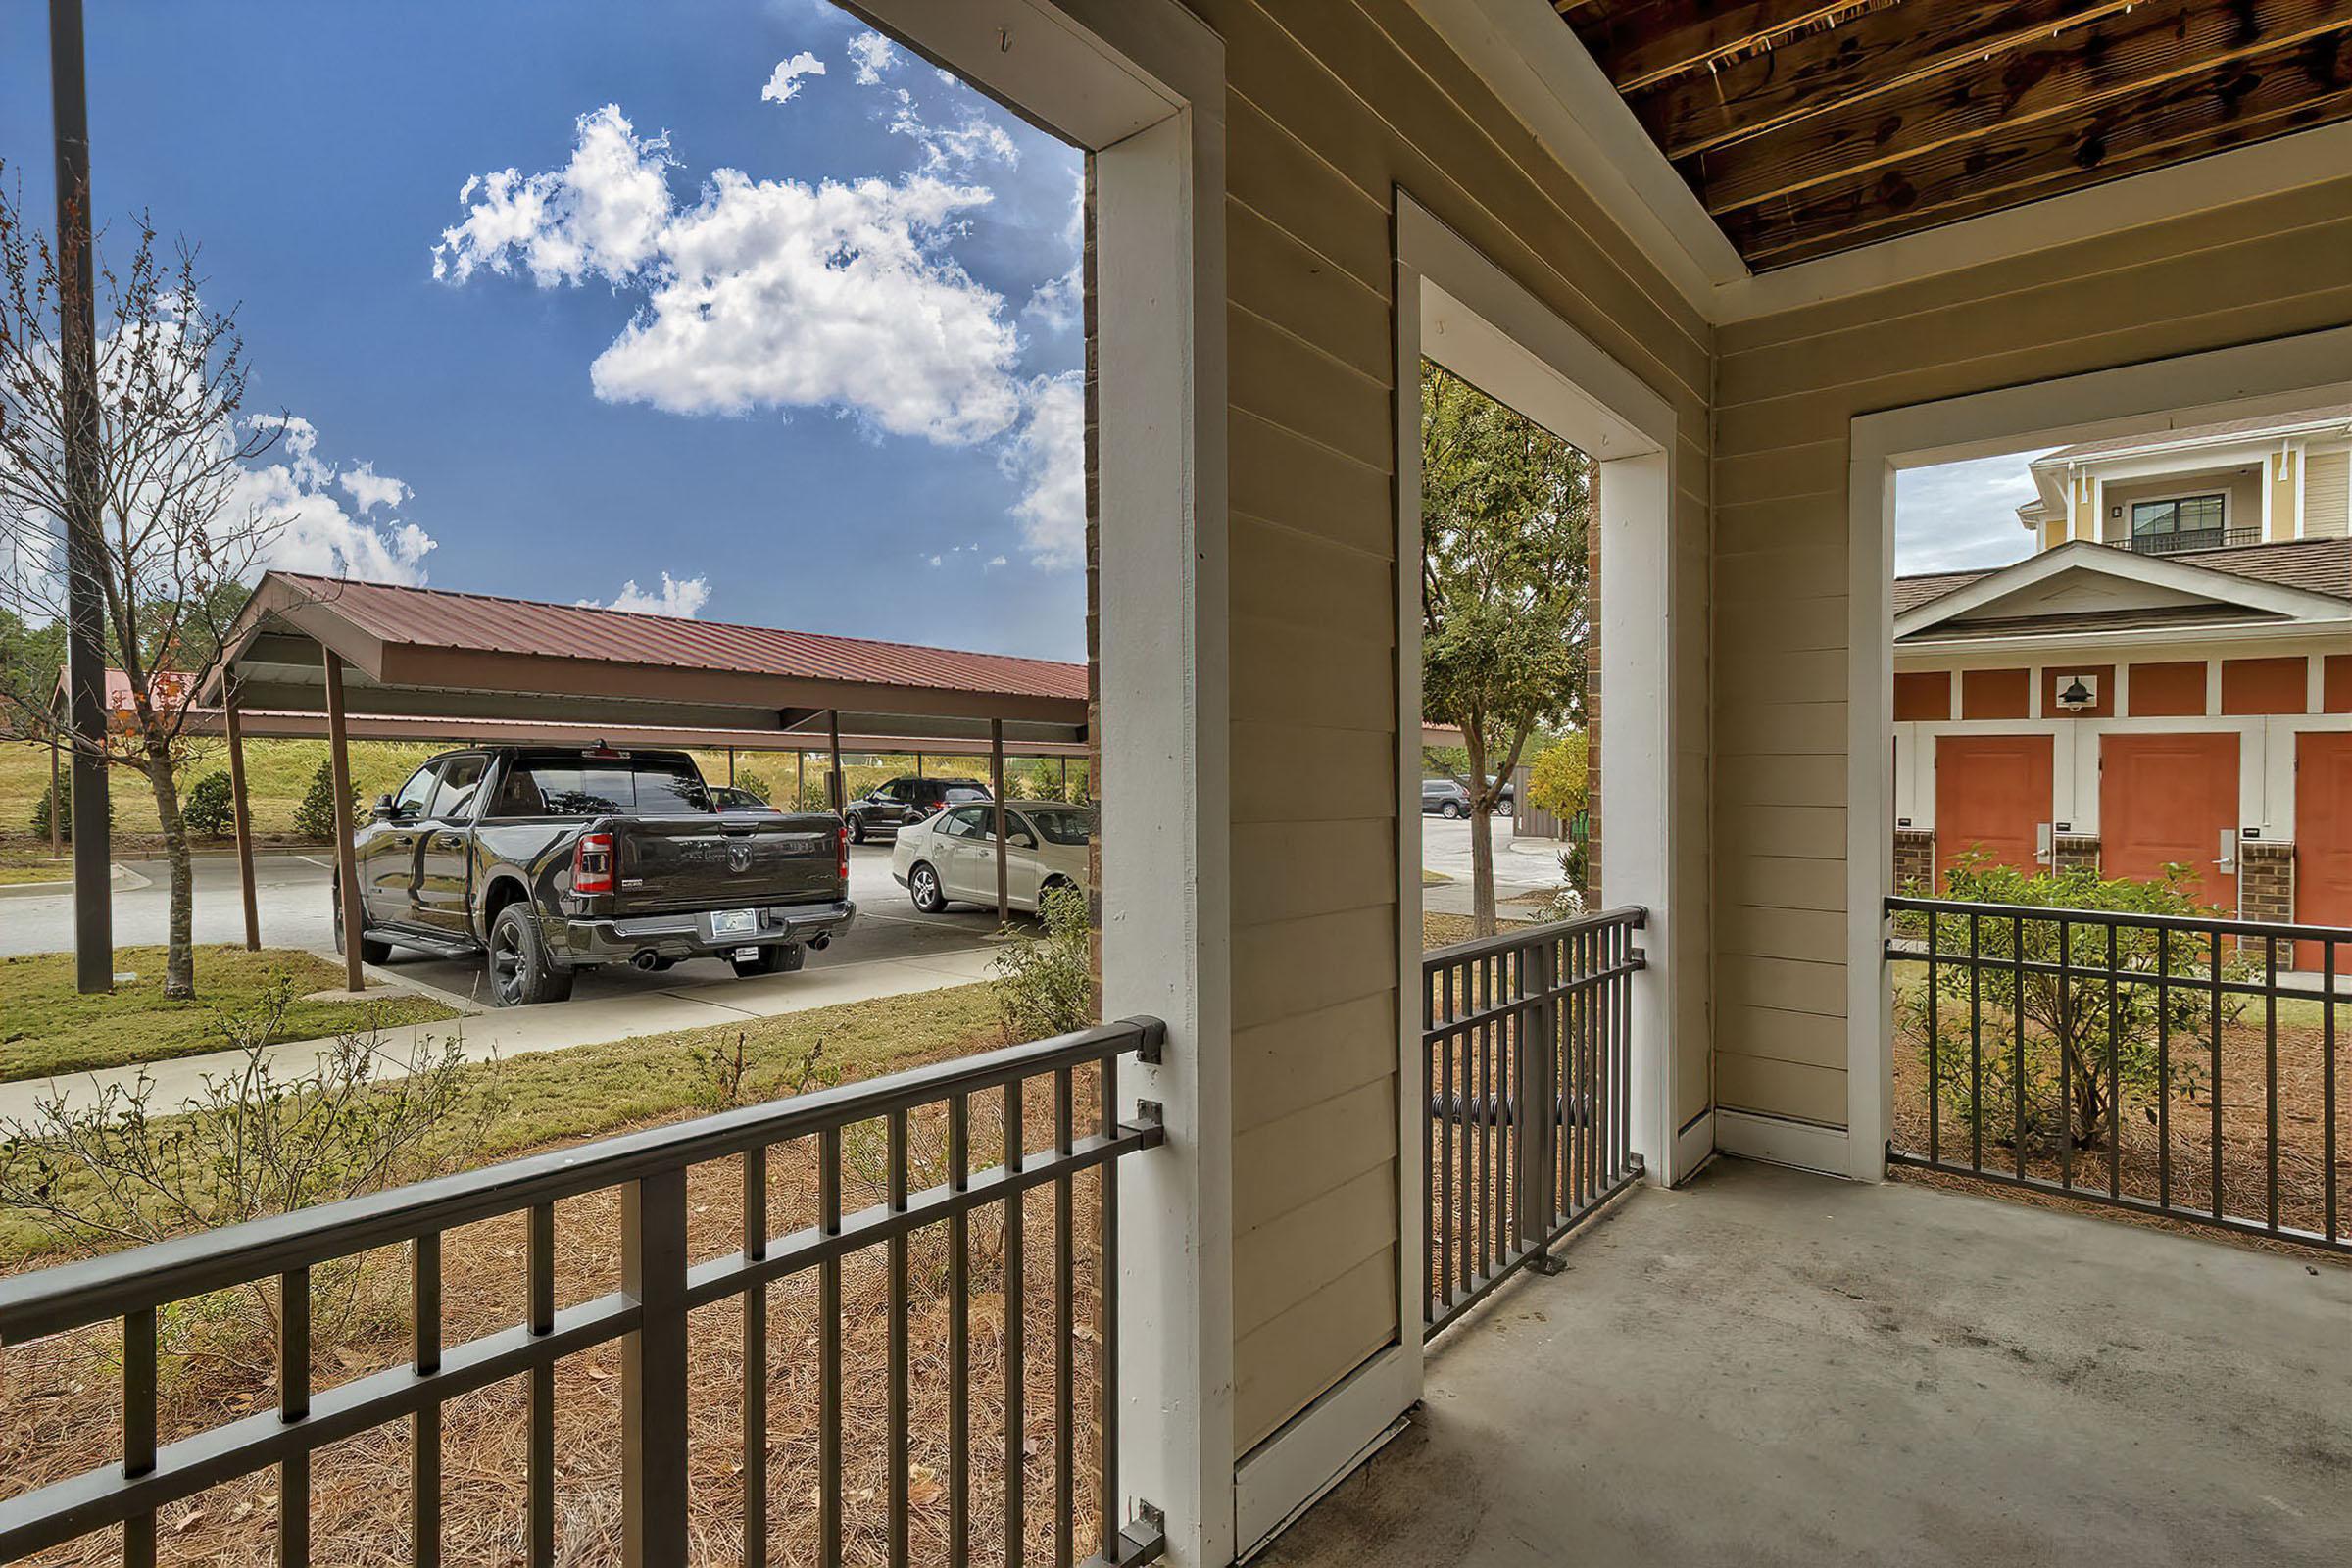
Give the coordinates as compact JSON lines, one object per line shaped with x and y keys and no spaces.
{"x":2232,"y":104}
{"x":1871,"y":57}
{"x":1640,"y":44}
{"x":2065,"y":81}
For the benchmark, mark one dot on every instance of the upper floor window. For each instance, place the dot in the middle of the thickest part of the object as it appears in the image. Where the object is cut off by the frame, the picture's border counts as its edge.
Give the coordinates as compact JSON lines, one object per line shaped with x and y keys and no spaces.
{"x":2181,"y":515}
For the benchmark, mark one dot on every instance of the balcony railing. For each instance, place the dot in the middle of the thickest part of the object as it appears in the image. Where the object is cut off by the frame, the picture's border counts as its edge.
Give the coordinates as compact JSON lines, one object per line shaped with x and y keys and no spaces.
{"x":2176,"y":1065}
{"x":2173,"y":544}
{"x":1537,"y":1017}
{"x":647,"y":1318}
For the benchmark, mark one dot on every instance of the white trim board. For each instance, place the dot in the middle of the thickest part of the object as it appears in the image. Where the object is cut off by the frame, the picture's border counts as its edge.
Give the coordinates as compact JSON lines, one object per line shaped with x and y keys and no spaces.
{"x":1290,"y":1472}
{"x":1781,"y":1141}
{"x":1141,"y":85}
{"x":2281,"y":375}
{"x":1545,"y":75}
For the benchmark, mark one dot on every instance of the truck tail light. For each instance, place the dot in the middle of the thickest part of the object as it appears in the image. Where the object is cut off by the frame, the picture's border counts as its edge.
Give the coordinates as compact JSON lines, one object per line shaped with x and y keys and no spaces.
{"x":841,"y":846}
{"x":592,"y":864}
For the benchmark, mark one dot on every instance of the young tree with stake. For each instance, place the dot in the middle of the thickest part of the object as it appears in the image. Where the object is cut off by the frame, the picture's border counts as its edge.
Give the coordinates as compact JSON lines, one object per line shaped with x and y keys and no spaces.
{"x":179,"y":537}
{"x":1504,"y":631}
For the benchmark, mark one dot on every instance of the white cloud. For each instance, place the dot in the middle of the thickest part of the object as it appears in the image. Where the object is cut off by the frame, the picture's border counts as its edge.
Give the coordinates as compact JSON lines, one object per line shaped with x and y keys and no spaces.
{"x":873,"y":54}
{"x":956,"y":147}
{"x":681,"y":598}
{"x":1047,"y":457}
{"x":784,"y":84}
{"x":1060,"y":303}
{"x":1958,"y":516}
{"x":601,"y":215}
{"x":370,"y":489}
{"x":774,"y":294}
{"x":312,"y":530}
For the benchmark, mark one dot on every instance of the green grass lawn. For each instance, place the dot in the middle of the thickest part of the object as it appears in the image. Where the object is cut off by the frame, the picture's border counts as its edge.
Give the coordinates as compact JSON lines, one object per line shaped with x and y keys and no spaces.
{"x":33,"y":866}
{"x":557,"y":1096}
{"x":49,"y":1028}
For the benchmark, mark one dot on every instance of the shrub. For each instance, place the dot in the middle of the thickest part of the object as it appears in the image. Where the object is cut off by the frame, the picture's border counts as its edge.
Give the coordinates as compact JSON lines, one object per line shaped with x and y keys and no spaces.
{"x":754,"y":785}
{"x":209,"y":810}
{"x":1044,"y":983}
{"x":117,"y":1168}
{"x":42,"y":807}
{"x":2087,"y":1044}
{"x":1556,"y":782}
{"x":315,"y":818}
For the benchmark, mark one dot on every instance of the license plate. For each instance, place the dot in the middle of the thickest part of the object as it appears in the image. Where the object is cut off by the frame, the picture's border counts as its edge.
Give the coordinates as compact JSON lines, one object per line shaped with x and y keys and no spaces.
{"x":735,"y":923}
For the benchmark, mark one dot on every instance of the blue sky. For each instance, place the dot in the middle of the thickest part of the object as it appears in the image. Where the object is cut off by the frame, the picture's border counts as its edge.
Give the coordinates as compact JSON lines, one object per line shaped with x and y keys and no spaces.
{"x":791,"y":388}
{"x":1959,"y":515}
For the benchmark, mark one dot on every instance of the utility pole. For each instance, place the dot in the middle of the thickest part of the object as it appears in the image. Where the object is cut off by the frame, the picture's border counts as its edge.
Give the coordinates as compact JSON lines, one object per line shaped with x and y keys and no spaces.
{"x":85,"y":662}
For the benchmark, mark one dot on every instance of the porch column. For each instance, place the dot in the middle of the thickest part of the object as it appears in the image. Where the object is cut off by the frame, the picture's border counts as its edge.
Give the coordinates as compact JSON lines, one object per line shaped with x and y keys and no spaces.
{"x":347,"y":865}
{"x":833,"y":786}
{"x":237,"y":808}
{"x":996,"y":787}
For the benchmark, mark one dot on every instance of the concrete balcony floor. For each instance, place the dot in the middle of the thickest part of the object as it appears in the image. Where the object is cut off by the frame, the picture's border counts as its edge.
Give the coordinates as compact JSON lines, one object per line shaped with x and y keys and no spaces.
{"x":1768,"y":1367}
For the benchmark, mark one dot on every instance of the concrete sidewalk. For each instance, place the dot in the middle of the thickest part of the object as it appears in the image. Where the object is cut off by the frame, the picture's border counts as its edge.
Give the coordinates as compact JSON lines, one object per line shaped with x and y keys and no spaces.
{"x":520,"y":1031}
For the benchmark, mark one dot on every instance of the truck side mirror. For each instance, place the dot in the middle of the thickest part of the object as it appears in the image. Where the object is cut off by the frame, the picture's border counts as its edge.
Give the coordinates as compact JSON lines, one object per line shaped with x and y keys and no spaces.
{"x":384,"y":809}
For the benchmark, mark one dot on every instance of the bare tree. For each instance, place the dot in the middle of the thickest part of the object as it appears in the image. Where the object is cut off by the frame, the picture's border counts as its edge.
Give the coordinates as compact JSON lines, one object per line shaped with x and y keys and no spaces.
{"x":179,"y":538}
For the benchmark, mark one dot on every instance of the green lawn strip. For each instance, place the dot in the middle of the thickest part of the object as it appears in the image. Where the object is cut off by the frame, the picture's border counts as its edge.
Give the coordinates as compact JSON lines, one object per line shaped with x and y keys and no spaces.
{"x":47,"y":1028}
{"x":550,"y":1098}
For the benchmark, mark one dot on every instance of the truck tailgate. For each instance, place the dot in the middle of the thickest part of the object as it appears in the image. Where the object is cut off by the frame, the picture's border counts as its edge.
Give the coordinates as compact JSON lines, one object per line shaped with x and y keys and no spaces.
{"x":672,"y":863}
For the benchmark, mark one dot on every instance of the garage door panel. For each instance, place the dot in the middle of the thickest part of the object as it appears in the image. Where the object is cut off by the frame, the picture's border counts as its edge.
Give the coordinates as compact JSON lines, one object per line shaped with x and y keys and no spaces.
{"x":2323,"y":841}
{"x":1992,"y":792}
{"x":2167,"y":800}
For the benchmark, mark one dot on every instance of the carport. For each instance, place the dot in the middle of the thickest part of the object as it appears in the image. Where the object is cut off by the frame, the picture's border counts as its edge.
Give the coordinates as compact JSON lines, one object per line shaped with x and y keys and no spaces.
{"x":373,"y":661}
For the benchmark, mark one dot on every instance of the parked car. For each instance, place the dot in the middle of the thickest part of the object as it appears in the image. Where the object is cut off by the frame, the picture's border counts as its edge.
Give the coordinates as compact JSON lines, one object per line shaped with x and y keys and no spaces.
{"x":1449,"y":798}
{"x":543,"y":862}
{"x":728,"y":797}
{"x":952,"y":857}
{"x":892,"y":805}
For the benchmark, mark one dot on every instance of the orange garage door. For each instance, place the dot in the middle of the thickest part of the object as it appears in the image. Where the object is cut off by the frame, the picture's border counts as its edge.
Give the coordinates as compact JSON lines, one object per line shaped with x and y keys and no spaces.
{"x":2167,"y":800}
{"x":2324,"y":842}
{"x":1991,"y":791}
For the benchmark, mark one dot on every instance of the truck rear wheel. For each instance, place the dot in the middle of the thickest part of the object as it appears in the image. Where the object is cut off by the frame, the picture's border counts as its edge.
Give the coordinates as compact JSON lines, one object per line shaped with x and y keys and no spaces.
{"x":520,"y":972}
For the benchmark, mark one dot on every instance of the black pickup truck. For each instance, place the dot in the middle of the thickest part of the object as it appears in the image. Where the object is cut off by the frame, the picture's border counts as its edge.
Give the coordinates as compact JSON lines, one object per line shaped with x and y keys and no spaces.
{"x":548,"y":861}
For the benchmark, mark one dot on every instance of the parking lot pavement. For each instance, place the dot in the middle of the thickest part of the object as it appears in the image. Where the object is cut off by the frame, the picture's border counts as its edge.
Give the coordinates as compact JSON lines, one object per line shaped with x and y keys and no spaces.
{"x":1521,"y":865}
{"x":297,"y":911}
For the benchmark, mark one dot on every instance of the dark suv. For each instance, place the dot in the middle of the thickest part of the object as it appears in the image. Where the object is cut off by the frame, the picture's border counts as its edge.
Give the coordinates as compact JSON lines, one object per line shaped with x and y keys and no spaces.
{"x":907,"y":799}
{"x":1449,"y":798}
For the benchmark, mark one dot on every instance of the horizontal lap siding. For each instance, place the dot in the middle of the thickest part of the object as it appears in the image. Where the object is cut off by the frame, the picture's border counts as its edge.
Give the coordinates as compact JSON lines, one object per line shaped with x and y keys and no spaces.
{"x":1788,"y":387}
{"x":1330,"y":108}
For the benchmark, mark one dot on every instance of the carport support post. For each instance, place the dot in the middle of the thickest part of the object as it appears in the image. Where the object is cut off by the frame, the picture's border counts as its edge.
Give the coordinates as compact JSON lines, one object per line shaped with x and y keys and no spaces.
{"x":996,"y":787}
{"x":57,"y":801}
{"x":347,"y":864}
{"x":244,"y":820}
{"x":833,"y":789}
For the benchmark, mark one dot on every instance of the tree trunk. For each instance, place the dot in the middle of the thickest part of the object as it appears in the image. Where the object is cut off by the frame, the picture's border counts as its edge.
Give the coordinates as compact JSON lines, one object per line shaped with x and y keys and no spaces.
{"x":1482,"y":833}
{"x":180,"y":961}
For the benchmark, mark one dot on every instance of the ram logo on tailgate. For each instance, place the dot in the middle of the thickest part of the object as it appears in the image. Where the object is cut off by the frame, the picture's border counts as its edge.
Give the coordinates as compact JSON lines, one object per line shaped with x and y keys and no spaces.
{"x":739,"y":856}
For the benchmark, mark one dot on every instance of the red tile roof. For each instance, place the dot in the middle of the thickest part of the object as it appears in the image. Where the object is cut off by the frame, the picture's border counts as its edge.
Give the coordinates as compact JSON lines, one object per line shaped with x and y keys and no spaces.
{"x":488,"y":623}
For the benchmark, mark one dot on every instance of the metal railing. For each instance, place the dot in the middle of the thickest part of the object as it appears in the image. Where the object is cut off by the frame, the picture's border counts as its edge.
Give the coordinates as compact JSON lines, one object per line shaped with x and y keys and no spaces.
{"x":1541,"y":1017}
{"x":2168,"y":1064}
{"x":2173,"y":544}
{"x":648,"y":1317}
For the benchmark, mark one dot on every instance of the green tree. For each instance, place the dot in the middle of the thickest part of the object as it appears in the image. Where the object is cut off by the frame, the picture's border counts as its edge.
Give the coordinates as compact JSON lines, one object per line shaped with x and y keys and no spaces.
{"x":209,"y":810}
{"x":1556,"y":782}
{"x":1504,"y":629}
{"x":2059,"y":1051}
{"x":315,"y":818}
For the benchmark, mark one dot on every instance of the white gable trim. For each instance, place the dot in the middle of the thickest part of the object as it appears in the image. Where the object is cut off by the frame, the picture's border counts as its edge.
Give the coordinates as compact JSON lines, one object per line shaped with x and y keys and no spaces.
{"x":2154,"y":572}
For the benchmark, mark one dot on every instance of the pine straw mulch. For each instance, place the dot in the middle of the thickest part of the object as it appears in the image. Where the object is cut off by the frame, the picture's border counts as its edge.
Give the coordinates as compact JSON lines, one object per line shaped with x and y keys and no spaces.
{"x":2244,"y":1142}
{"x":61,"y":1413}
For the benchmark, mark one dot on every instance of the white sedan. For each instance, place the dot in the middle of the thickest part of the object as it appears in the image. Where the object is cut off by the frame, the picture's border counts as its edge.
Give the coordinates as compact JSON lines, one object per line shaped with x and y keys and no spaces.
{"x":952,"y":857}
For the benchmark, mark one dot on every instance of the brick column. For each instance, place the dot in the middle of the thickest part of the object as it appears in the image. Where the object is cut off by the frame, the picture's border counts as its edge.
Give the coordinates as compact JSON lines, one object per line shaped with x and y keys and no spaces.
{"x":2265,"y":888}
{"x":2074,"y":851}
{"x":1914,"y":860}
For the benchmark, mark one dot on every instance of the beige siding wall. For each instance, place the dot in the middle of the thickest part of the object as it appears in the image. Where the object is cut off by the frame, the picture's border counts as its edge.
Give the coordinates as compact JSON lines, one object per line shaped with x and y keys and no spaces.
{"x":1311,"y":168}
{"x":2328,"y":495}
{"x":1787,"y":387}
